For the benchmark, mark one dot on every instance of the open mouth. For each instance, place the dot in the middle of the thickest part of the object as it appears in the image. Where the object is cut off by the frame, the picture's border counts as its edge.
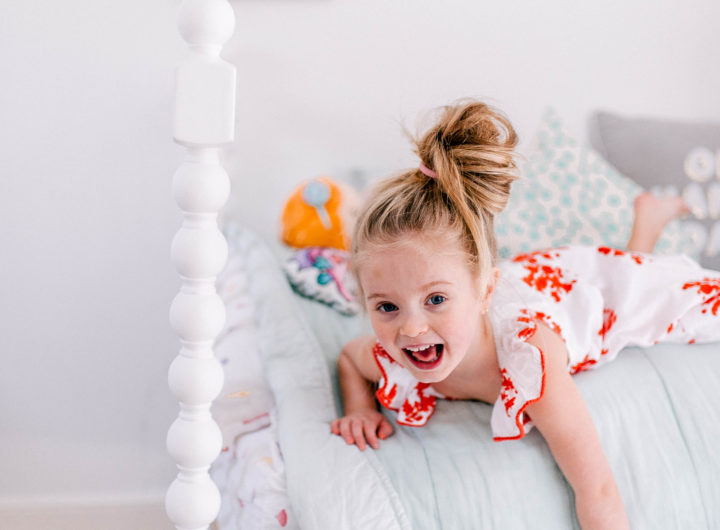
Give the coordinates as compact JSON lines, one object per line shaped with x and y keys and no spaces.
{"x":425,"y":357}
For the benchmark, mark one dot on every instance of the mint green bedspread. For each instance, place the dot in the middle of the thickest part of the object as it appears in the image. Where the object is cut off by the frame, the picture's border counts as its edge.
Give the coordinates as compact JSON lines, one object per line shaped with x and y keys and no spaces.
{"x":657,"y":411}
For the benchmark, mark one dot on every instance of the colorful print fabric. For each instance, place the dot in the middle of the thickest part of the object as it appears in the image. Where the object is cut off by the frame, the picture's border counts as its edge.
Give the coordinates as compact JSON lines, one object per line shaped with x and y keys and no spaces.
{"x":321,"y":273}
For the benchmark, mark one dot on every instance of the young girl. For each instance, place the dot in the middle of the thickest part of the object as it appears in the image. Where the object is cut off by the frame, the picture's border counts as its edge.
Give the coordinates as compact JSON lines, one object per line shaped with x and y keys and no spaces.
{"x":451,"y":323}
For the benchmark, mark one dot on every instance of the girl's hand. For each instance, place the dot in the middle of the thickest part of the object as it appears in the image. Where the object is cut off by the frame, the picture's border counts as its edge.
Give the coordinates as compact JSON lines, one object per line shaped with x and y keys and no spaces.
{"x":362,"y":427}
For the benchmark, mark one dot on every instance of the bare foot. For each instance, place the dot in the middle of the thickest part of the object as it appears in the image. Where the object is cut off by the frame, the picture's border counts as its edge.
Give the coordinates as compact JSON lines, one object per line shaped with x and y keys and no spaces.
{"x":651,"y":215}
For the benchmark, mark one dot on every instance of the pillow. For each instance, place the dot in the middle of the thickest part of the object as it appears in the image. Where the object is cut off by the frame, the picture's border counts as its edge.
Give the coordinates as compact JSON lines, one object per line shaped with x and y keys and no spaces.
{"x":671,"y":158}
{"x":567,"y":194}
{"x":321,"y":273}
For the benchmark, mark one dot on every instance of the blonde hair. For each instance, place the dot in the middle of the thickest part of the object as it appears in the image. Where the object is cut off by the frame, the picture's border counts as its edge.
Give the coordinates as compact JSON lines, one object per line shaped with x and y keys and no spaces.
{"x":470,"y":148}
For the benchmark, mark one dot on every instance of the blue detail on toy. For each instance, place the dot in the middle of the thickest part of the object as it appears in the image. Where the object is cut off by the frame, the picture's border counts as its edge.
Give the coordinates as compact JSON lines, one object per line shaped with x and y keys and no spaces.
{"x":316,"y":194}
{"x":321,"y":263}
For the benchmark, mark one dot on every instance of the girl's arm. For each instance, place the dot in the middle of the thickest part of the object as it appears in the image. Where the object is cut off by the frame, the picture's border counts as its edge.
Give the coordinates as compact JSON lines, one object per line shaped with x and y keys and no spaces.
{"x":564,"y":420}
{"x":362,"y":423}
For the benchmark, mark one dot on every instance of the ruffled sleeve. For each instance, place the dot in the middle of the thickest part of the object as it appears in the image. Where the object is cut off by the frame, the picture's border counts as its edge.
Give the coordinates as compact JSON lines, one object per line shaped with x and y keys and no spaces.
{"x":522,"y":367}
{"x":398,"y":390}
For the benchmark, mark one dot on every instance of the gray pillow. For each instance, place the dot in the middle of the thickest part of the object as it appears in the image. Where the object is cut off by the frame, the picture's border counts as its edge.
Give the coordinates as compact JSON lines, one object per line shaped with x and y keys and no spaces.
{"x":670,"y":157}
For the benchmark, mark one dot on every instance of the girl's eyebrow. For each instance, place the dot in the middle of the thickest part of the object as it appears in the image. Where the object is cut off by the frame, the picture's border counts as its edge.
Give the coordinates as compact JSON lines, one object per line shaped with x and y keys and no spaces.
{"x":422,"y":288}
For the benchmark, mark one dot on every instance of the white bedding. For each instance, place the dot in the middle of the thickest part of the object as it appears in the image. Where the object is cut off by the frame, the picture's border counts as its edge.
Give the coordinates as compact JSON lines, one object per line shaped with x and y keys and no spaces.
{"x":655,"y":411}
{"x":250,"y":474}
{"x":249,"y":471}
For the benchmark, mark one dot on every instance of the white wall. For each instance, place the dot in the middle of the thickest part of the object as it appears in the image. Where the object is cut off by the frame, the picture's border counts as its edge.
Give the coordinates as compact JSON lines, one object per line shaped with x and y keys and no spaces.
{"x":86,"y":159}
{"x":324,"y":87}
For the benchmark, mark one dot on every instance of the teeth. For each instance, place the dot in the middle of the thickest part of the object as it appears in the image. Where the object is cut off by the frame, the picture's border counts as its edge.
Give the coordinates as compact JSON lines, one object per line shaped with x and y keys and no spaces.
{"x":420,"y":348}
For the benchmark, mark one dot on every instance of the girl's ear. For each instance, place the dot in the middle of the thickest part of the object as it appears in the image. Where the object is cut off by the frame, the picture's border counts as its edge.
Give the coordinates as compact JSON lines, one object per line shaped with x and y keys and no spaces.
{"x":490,"y":288}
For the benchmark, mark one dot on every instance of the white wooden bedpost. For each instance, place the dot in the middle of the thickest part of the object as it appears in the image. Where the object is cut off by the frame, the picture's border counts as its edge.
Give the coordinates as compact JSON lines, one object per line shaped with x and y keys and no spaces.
{"x":204,"y":121}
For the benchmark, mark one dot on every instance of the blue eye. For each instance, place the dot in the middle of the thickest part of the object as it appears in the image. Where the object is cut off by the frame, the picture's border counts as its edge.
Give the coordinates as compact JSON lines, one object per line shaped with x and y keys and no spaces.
{"x":387,"y":307}
{"x":436,"y":299}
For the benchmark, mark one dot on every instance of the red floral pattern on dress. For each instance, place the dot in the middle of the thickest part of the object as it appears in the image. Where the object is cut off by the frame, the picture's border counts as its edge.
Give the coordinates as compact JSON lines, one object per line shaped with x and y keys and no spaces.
{"x":418,"y":411}
{"x":583,"y":365}
{"x":529,"y":330}
{"x":530,"y":316}
{"x":548,"y":280}
{"x":384,"y":395}
{"x":418,"y":404}
{"x":609,"y":318}
{"x":709,"y":289}
{"x":508,"y":392}
{"x":544,"y":278}
{"x":637,"y":258}
{"x":379,"y":351}
{"x":531,"y":257}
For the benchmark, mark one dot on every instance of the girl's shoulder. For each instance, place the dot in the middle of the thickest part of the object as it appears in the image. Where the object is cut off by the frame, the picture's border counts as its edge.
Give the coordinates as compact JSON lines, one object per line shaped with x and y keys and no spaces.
{"x":361,"y":351}
{"x":360,"y":345}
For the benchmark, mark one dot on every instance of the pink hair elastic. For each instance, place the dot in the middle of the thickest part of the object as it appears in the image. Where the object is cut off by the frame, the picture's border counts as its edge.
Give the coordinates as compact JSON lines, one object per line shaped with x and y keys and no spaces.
{"x":426,"y":171}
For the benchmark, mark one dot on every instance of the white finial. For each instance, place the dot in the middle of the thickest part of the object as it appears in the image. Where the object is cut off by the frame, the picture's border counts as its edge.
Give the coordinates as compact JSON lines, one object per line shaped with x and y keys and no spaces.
{"x":206,"y":24}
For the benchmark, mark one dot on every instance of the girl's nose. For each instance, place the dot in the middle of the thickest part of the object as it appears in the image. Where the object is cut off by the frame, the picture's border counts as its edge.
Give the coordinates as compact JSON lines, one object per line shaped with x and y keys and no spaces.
{"x":414,"y":325}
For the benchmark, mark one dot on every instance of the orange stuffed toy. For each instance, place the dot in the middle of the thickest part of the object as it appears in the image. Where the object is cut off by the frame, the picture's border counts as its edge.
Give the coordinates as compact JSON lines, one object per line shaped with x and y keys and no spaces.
{"x":320,"y":213}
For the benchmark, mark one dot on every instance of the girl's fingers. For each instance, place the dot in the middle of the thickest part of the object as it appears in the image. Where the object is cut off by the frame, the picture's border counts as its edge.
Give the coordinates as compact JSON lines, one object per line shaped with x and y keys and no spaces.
{"x":361,"y":431}
{"x":385,"y":429}
{"x":357,"y":431}
{"x":370,"y":429}
{"x":345,"y":431}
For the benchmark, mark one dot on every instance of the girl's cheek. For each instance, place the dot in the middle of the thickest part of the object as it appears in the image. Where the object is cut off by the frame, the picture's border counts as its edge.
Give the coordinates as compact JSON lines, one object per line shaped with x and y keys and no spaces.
{"x":381,"y":330}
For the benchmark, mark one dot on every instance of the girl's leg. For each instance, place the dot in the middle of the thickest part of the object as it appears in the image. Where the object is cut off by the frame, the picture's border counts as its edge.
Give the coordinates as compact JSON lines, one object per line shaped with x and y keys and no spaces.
{"x":651,"y":215}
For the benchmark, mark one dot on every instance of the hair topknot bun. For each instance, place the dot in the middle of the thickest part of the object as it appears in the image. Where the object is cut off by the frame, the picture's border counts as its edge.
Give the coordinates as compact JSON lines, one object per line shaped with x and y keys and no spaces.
{"x":471,"y":148}
{"x":463,"y":181}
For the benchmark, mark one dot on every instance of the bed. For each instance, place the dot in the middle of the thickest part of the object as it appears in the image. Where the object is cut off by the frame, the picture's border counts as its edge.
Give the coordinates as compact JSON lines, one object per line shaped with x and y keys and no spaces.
{"x":266,"y":357}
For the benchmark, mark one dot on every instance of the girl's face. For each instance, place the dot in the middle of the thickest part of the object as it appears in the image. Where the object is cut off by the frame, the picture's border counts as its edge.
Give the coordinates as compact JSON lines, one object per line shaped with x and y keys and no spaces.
{"x":425,"y":304}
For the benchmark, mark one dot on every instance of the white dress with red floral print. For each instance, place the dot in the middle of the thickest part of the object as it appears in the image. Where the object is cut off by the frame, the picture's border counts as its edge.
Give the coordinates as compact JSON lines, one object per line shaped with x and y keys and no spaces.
{"x":597,"y":299}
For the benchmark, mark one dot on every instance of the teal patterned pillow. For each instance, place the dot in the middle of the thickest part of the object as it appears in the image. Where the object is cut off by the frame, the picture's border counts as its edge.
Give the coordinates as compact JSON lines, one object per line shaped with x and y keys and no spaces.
{"x":568,"y":194}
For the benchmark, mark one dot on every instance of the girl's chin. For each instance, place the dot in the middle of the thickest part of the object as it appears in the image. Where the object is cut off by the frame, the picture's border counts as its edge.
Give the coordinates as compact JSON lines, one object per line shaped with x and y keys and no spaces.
{"x":430,"y":378}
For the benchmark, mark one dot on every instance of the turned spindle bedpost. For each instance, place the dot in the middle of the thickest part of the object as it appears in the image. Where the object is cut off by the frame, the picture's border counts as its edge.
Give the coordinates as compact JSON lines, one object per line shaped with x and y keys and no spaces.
{"x":204,"y":121}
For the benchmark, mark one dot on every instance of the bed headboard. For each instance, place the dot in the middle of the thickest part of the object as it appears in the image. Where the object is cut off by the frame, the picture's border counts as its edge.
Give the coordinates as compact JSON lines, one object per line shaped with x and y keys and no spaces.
{"x":204,"y":121}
